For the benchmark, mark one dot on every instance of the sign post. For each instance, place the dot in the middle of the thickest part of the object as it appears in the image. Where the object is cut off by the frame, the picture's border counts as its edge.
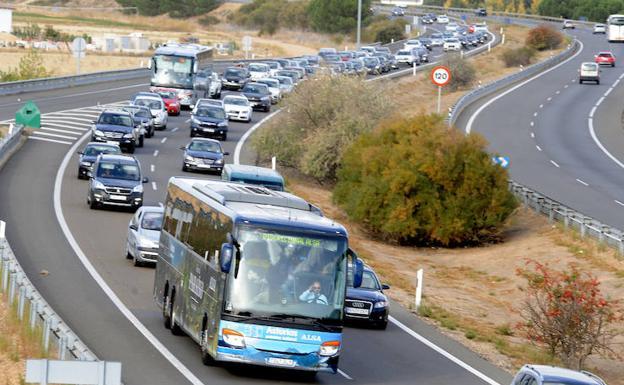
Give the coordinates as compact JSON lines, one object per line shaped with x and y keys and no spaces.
{"x":440,"y":76}
{"x":246,"y":45}
{"x":79,"y":46}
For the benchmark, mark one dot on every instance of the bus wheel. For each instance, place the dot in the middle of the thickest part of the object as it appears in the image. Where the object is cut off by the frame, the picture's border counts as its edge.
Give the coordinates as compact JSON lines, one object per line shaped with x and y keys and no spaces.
{"x":175,"y":328}
{"x":167,"y":311}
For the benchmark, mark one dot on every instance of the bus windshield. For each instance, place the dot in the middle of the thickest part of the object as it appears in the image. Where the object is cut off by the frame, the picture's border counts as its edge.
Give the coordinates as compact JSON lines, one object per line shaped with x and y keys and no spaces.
{"x":172,"y":71}
{"x":288,"y":274}
{"x":616,"y":20}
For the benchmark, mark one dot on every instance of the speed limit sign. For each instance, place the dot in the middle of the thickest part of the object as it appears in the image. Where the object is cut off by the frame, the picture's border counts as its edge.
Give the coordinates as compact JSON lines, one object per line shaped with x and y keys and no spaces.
{"x":440,"y":76}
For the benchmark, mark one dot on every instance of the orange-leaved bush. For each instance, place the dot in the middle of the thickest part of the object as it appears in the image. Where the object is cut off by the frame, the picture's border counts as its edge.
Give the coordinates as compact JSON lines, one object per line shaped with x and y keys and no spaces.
{"x":414,"y":181}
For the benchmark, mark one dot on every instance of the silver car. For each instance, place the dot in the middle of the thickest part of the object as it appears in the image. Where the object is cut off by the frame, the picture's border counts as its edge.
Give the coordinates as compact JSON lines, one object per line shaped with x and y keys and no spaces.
{"x":144,"y":235}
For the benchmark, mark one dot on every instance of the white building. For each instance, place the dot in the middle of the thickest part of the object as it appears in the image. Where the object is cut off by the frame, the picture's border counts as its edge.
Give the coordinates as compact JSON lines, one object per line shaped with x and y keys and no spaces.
{"x":6,"y":19}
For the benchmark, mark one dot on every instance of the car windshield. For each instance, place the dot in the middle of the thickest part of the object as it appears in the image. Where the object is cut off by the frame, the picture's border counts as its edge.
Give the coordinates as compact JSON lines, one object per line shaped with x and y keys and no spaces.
{"x":116,"y":120}
{"x":270,"y":82}
{"x":204,"y":146}
{"x":371,"y":61}
{"x":149,"y":103}
{"x":167,"y":94}
{"x":124,"y":171}
{"x":273,"y":65}
{"x":616,"y":21}
{"x":285,"y":80}
{"x":152,"y":221}
{"x":236,"y":101}
{"x":589,"y":67}
{"x":258,"y":68}
{"x":256,"y":89}
{"x":234,"y":72}
{"x":142,"y":113}
{"x":401,"y":53}
{"x":210,"y":112}
{"x":295,"y":273}
{"x":436,"y":36}
{"x":172,"y":71}
{"x":95,"y":150}
{"x":604,"y":54}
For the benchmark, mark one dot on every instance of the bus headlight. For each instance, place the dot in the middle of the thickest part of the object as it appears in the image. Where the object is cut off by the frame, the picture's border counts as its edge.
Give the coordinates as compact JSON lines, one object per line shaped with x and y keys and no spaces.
{"x":233,"y":338}
{"x":329,"y":348}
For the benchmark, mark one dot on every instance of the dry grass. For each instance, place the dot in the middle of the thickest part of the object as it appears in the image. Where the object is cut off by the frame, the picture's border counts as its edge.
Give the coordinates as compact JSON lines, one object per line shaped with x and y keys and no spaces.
{"x":4,"y":130}
{"x":17,"y":343}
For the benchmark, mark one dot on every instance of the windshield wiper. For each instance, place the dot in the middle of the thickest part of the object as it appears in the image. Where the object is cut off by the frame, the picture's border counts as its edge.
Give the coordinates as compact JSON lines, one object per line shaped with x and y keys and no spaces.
{"x":294,"y":317}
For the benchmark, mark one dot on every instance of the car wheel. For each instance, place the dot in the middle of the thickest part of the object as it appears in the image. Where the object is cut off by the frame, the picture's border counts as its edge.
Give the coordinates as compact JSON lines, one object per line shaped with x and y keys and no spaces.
{"x":93,"y":205}
{"x":128,"y":255}
{"x":382,"y":325}
{"x":248,"y":120}
{"x":137,"y":263}
{"x":192,"y":135}
{"x":184,"y":168}
{"x":141,"y":139}
{"x":597,"y":81}
{"x":131,"y":148}
{"x":267,"y":109}
{"x":224,"y":137}
{"x":612,"y":65}
{"x":580,"y":81}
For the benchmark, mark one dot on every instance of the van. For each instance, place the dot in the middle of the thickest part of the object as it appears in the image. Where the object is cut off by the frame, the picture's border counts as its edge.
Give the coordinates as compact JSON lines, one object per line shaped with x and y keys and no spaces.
{"x":589,"y":72}
{"x":253,"y":175}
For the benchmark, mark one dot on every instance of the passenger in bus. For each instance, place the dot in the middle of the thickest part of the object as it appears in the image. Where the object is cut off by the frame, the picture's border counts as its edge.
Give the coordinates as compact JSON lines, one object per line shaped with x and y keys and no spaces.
{"x":313,"y":294}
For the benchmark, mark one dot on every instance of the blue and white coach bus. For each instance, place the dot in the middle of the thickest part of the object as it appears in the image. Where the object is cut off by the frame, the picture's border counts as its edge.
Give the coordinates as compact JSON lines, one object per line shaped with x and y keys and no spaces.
{"x":253,"y":275}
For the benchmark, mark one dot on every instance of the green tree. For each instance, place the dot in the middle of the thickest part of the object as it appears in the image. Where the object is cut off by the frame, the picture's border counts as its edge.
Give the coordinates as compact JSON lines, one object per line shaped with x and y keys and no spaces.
{"x":30,"y":67}
{"x":336,"y":16}
{"x":414,"y":181}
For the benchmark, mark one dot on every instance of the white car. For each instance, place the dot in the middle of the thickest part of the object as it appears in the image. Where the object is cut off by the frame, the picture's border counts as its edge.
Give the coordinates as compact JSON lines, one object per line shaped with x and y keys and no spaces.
{"x":600,"y":28}
{"x":452,"y":44}
{"x":286,"y":84}
{"x":206,"y":102}
{"x":142,"y":243}
{"x":568,"y":24}
{"x":407,"y":56}
{"x":412,"y":43}
{"x":275,"y":66}
{"x":437,"y":40}
{"x":451,"y":27}
{"x":274,"y":88}
{"x":215,"y":86}
{"x":369,"y":49}
{"x":237,"y":107}
{"x":480,"y":27}
{"x":443,"y":19}
{"x":259,"y":70}
{"x":157,"y":108}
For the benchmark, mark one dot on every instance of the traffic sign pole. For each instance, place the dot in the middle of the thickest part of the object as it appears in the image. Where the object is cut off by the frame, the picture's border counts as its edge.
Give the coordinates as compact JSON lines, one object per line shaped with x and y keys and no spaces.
{"x":439,"y":98}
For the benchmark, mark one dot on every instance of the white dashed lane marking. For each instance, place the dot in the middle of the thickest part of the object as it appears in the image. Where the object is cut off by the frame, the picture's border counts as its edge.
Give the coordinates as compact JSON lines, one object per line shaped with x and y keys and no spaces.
{"x":582,"y":182}
{"x":554,"y":163}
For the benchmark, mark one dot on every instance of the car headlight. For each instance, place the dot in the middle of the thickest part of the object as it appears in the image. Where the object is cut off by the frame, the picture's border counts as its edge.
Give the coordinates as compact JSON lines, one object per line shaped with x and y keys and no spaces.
{"x":98,"y":185}
{"x":233,"y":338}
{"x":381,"y":304}
{"x":266,"y":98}
{"x":86,"y":164}
{"x":222,"y":124}
{"x":138,"y":188}
{"x":98,"y":133}
{"x":329,"y":348}
{"x":189,"y":159}
{"x":219,"y":161}
{"x":128,"y":136}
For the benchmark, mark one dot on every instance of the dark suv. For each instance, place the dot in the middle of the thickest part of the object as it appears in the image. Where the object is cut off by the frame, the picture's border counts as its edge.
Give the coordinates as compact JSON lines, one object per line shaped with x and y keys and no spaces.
{"x":235,"y":78}
{"x":89,"y":155}
{"x":116,"y":180}
{"x":259,"y":96}
{"x":115,"y":126}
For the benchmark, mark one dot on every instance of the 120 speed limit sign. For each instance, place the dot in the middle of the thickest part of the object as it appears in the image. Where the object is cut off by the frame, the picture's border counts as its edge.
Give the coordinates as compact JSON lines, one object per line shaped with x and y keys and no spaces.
{"x":440,"y":76}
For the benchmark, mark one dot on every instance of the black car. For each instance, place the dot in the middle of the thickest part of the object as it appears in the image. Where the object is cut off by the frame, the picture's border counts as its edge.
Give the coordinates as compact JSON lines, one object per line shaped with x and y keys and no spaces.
{"x":115,"y":126}
{"x":383,"y":61}
{"x":398,"y":11}
{"x":89,"y":155}
{"x":235,"y":78}
{"x":373,"y":65}
{"x":142,"y":117}
{"x":209,"y":120}
{"x":423,"y":54}
{"x":480,"y":12}
{"x":258,"y":95}
{"x":203,"y":155}
{"x":367,"y":303}
{"x":294,"y":75}
{"x":426,"y":42}
{"x":116,"y":180}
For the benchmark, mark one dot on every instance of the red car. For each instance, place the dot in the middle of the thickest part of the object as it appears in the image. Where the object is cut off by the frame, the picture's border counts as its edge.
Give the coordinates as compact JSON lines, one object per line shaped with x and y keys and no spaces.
{"x":605,"y":58}
{"x":170,"y":97}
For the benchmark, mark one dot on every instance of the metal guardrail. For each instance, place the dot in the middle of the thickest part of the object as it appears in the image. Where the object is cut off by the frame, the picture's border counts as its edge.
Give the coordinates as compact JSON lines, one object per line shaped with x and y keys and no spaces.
{"x":8,"y":143}
{"x":497,"y":85}
{"x":56,"y":335}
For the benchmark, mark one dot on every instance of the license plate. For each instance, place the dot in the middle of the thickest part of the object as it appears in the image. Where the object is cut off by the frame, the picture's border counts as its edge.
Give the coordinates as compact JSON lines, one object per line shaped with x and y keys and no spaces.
{"x":209,"y":129}
{"x":117,"y":197}
{"x":111,"y":142}
{"x":203,"y":165}
{"x":281,"y":361}
{"x":353,"y":310}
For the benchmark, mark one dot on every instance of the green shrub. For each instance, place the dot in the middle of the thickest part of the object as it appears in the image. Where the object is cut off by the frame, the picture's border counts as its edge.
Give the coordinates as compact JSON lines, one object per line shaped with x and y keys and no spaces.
{"x":30,"y":67}
{"x":336,"y":16}
{"x":515,"y":57}
{"x":321,"y":118}
{"x":384,"y":30}
{"x":208,"y":20}
{"x":470,"y":334}
{"x":544,"y":37}
{"x":416,"y":182}
{"x":463,"y":73}
{"x":270,"y":15}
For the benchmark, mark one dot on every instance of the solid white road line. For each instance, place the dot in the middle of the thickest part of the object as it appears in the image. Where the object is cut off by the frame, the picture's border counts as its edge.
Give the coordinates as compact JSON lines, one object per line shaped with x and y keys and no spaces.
{"x":443,"y":352}
{"x":50,"y":140}
{"x":163,"y":140}
{"x":581,"y":182}
{"x":155,"y":152}
{"x":58,"y":209}
{"x":54,"y":135}
{"x":554,"y":163}
{"x":592,"y":132}
{"x":154,"y":186}
{"x":608,"y":92}
{"x":241,"y":141}
{"x":593,"y":110}
{"x":501,"y":95}
{"x":599,"y":102}
{"x":345,"y":375}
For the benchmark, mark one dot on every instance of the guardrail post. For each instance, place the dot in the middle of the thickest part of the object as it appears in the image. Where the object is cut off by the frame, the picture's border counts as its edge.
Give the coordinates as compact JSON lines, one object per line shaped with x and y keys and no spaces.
{"x":621,"y":246}
{"x":62,"y":347}
{"x":583,"y":228}
{"x":551,"y":211}
{"x":33,"y":312}
{"x":46,"y":334}
{"x":12,"y":288}
{"x":566,"y":218}
{"x":21,"y":302}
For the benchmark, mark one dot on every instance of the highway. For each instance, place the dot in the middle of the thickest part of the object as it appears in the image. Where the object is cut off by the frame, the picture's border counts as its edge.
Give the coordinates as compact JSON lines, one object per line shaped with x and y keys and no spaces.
{"x":108,"y":302}
{"x":564,"y":139}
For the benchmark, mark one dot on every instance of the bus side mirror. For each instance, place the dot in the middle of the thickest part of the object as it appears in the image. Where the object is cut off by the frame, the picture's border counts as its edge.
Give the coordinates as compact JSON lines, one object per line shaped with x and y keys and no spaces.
{"x":227,"y":251}
{"x":358,"y":273}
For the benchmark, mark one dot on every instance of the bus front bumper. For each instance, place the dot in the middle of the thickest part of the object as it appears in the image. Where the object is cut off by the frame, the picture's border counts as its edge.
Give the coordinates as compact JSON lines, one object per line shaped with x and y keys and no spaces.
{"x":305,"y":362}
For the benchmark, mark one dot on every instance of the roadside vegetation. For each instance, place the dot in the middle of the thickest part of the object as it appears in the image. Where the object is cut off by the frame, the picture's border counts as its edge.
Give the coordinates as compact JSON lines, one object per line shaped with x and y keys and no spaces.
{"x":31,"y":66}
{"x":540,"y":38}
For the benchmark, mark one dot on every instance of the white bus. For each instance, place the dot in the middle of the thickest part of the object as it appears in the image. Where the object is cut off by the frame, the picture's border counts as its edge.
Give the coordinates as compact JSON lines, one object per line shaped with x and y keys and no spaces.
{"x":615,"y":28}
